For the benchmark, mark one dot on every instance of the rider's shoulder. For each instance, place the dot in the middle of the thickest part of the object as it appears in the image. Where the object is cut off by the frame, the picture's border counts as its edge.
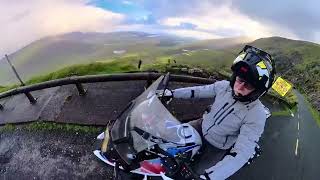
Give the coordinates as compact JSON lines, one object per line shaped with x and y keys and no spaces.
{"x":222,"y":84}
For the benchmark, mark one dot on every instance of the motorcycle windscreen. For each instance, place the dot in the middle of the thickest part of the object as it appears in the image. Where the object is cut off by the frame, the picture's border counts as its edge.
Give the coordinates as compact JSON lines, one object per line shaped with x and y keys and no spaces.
{"x":122,"y":134}
{"x":152,"y":117}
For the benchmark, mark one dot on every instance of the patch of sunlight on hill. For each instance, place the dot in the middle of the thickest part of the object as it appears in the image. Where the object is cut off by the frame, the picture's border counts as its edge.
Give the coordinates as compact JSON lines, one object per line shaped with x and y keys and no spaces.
{"x":87,"y":69}
{"x":203,"y":58}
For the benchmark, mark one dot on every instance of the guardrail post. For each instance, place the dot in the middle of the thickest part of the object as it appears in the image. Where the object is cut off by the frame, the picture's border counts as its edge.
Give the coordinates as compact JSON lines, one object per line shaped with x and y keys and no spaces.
{"x":1,"y":107}
{"x":139,"y":64}
{"x":81,"y":90}
{"x":32,"y":100}
{"x":149,"y":81}
{"x":29,"y":96}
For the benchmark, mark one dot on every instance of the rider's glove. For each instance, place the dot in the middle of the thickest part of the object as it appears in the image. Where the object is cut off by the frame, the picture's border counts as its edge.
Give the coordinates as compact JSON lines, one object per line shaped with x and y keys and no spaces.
{"x":167,"y":93}
{"x":205,"y":176}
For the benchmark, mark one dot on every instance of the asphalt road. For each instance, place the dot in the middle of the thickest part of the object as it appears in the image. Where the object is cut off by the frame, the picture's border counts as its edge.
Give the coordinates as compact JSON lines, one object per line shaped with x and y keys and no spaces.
{"x":103,"y":102}
{"x":289,"y":144}
{"x":290,"y":148}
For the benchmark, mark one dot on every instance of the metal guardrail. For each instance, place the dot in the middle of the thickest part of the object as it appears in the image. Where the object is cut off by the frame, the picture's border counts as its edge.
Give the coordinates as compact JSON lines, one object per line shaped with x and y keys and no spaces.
{"x":79,"y":80}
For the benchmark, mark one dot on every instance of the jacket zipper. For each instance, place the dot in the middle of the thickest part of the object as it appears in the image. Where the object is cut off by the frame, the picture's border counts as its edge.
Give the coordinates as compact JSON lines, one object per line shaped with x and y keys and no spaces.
{"x":225,"y":116}
{"x":221,"y":114}
{"x":224,"y":112}
{"x":225,"y":142}
{"x":216,"y":115}
{"x":221,"y":109}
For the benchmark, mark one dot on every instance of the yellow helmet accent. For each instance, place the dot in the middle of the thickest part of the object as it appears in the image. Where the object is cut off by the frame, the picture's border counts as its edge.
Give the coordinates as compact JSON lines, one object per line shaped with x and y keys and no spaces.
{"x":261,"y":65}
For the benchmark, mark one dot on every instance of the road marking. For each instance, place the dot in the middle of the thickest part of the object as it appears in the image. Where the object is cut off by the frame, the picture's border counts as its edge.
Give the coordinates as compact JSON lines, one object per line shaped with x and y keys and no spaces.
{"x":298,"y":125}
{"x":297,"y":145}
{"x":291,"y":113}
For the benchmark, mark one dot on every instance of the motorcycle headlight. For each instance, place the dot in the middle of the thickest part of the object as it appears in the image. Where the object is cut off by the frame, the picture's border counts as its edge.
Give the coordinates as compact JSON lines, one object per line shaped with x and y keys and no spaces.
{"x":105,"y":142}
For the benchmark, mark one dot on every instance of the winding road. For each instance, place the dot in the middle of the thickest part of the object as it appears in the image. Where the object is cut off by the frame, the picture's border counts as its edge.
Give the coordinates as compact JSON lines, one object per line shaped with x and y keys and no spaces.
{"x":290,"y":144}
{"x":290,"y":148}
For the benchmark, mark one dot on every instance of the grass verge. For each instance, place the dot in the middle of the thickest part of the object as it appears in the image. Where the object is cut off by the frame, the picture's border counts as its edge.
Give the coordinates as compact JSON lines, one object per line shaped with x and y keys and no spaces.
{"x":129,"y":63}
{"x":285,"y":112}
{"x":315,"y":113}
{"x":115,"y":66}
{"x":52,"y":126}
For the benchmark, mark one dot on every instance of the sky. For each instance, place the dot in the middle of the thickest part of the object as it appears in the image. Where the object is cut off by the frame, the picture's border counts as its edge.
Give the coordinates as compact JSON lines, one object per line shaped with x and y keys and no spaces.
{"x":24,"y":21}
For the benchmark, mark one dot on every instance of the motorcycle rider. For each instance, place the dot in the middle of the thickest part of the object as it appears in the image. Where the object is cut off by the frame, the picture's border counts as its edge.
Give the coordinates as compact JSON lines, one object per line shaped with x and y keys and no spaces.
{"x":237,"y":117}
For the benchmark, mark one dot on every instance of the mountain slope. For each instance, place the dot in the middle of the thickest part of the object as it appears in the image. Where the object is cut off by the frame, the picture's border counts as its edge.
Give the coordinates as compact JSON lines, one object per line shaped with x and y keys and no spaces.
{"x":297,"y":61}
{"x":55,"y":52}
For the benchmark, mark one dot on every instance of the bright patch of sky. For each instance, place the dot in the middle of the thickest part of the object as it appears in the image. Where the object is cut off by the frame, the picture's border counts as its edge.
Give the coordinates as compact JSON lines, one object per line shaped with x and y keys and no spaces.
{"x":202,"y":20}
{"x":134,"y":12}
{"x":29,"y":20}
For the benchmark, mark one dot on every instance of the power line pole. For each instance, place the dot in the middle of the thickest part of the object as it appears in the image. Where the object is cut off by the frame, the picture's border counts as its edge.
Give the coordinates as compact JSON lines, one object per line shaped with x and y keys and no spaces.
{"x":15,"y":71}
{"x":29,"y":96}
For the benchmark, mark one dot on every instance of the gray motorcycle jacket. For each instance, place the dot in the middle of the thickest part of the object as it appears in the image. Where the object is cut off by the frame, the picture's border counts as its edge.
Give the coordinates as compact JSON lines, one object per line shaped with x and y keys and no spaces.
{"x":228,"y":123}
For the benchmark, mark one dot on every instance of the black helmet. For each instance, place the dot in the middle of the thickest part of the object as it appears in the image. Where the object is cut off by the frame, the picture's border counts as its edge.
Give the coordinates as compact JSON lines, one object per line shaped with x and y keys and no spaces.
{"x":257,"y":68}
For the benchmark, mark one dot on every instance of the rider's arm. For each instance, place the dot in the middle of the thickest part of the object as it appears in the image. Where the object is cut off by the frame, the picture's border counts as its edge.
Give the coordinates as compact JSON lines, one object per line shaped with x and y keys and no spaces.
{"x":207,"y":91}
{"x":244,"y":148}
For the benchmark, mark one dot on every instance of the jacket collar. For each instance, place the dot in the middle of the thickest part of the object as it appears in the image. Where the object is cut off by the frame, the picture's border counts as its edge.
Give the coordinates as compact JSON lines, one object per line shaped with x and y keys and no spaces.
{"x":248,"y":104}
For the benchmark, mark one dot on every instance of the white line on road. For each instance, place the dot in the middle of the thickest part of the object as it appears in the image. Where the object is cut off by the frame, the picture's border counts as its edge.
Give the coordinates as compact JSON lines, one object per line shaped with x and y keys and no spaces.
{"x":291,"y":113}
{"x":297,"y":145}
{"x":298,"y":125}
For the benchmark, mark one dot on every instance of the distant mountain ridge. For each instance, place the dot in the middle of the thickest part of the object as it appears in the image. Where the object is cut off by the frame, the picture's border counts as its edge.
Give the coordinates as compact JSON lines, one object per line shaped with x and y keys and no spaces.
{"x":54,"y":52}
{"x":51,"y":53}
{"x":297,"y":61}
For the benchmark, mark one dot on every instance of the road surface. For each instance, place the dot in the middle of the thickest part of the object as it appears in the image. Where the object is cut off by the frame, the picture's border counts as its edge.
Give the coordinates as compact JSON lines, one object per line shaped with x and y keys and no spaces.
{"x":290,"y":144}
{"x":290,"y":148}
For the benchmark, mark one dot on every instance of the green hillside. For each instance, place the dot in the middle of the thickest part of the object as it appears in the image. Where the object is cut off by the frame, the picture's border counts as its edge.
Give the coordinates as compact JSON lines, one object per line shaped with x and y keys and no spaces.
{"x":55,"y":52}
{"x":297,"y":61}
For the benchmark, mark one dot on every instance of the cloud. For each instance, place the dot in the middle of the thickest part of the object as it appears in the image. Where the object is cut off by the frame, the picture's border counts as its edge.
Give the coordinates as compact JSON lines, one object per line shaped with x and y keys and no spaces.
{"x":301,"y":17}
{"x":192,"y":34}
{"x":25,"y":21}
{"x":291,"y":19}
{"x":224,"y":21}
{"x":127,"y":2}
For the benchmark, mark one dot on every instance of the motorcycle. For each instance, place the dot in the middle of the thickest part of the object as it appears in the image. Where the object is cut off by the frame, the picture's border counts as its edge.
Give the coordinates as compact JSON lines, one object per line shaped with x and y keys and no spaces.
{"x":146,"y":139}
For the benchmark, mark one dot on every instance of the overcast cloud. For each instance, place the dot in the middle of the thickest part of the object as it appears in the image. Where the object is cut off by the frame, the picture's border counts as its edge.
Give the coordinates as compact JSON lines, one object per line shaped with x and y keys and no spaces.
{"x":24,"y":21}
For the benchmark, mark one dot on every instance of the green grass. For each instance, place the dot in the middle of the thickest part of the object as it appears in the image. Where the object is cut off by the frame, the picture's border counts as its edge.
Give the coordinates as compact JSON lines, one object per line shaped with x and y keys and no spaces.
{"x":7,"y":88}
{"x":315,"y":113}
{"x":285,"y":112}
{"x":7,"y":128}
{"x":87,"y":69}
{"x":290,"y":98}
{"x":2,"y":88}
{"x":129,"y":63}
{"x":115,"y":66}
{"x":52,"y":126}
{"x":213,"y":59}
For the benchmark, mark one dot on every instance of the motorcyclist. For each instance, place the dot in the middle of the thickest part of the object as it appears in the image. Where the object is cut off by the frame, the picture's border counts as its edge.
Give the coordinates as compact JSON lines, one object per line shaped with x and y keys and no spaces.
{"x":237,"y":118}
